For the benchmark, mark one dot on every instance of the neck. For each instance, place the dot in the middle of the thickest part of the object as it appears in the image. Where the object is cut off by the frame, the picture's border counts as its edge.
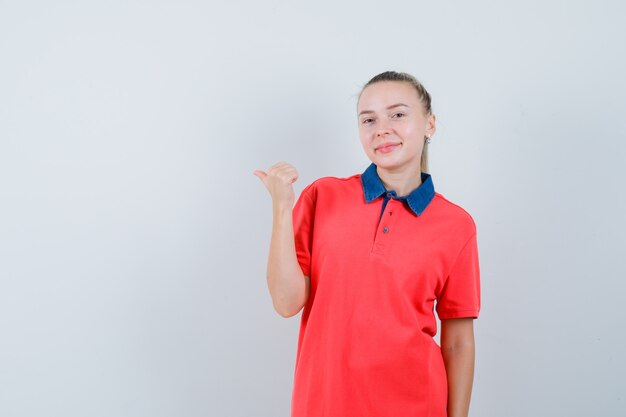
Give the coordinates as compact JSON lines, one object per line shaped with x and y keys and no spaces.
{"x":402,"y":182}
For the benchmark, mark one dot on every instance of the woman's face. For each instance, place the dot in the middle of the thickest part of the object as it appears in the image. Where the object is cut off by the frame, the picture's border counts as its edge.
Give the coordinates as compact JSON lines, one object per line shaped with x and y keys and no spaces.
{"x":390,"y":113}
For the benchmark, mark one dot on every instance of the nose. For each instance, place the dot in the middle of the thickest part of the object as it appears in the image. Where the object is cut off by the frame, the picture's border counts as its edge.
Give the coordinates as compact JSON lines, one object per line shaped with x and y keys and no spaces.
{"x":382,"y":130}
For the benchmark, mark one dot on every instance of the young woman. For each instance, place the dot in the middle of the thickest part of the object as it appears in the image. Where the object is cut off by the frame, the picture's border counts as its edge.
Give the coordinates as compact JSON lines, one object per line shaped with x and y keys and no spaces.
{"x":365,"y":258}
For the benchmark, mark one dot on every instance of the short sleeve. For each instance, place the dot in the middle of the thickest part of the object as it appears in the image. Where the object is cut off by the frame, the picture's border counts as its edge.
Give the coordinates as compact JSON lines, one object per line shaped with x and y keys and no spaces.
{"x":303,"y":220}
{"x":460,"y":295}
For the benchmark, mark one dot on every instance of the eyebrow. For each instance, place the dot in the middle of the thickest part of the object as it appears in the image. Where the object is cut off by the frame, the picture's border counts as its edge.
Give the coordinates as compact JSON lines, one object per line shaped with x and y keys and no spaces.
{"x":388,"y":108}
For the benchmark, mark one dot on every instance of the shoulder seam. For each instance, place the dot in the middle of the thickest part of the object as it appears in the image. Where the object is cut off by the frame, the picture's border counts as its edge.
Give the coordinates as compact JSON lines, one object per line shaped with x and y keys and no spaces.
{"x":314,"y":183}
{"x":458,"y":206}
{"x":330,"y":177}
{"x":338,"y":178}
{"x":453,"y":264}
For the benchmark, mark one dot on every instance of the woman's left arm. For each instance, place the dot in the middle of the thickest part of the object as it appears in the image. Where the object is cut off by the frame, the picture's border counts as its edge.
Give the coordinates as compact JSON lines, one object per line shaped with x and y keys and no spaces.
{"x":457,"y":349}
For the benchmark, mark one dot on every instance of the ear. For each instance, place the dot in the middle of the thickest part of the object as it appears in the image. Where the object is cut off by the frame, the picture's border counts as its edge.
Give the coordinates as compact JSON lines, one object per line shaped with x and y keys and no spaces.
{"x":430,"y":125}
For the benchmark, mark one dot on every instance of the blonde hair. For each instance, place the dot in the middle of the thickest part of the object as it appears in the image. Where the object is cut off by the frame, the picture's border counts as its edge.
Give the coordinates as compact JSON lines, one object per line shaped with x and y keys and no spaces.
{"x":422,"y":94}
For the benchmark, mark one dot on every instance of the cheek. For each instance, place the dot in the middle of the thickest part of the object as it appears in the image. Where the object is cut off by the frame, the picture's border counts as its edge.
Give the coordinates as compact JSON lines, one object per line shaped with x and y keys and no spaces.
{"x":363,"y":136}
{"x":363,"y":141}
{"x":410,"y":129}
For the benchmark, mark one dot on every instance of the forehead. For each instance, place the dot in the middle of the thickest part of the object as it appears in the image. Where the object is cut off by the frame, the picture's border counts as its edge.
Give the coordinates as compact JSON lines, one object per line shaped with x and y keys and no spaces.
{"x":381,"y":94}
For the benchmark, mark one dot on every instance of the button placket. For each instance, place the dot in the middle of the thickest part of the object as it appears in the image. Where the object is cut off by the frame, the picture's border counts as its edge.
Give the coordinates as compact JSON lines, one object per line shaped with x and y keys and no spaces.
{"x":385,"y":228}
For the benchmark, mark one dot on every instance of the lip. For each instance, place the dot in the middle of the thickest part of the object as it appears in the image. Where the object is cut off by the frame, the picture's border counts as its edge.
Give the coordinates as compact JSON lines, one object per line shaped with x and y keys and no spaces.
{"x":388,"y":145}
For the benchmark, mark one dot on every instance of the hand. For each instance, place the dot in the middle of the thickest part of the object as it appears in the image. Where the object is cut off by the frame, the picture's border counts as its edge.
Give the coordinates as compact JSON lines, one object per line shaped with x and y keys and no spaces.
{"x":278,"y":180}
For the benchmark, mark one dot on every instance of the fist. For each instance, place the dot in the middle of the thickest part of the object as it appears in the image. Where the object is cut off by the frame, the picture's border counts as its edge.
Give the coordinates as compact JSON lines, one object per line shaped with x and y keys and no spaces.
{"x":278,"y":180}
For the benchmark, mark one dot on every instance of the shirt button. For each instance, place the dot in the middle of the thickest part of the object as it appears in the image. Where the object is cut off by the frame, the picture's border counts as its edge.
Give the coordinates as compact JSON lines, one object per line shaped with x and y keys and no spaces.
{"x":385,"y":230}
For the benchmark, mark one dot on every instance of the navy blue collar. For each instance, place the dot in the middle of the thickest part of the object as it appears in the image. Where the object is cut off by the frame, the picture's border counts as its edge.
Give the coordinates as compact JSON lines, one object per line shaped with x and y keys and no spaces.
{"x":418,"y":200}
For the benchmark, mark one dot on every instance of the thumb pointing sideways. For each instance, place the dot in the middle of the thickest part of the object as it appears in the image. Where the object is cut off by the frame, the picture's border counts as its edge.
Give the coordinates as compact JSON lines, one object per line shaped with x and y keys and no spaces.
{"x":262,"y":175}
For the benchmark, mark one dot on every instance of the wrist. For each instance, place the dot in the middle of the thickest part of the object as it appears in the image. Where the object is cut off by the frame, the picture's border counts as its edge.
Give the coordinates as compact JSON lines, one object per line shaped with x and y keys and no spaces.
{"x":282,"y":209}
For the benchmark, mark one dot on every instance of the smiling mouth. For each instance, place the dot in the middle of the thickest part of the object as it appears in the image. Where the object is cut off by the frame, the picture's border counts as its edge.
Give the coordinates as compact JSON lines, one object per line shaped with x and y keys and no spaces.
{"x":388,"y":148}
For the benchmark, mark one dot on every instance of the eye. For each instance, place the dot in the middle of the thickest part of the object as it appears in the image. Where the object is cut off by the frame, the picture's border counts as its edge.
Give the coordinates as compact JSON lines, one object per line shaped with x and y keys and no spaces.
{"x":366,"y":121}
{"x":399,"y":115}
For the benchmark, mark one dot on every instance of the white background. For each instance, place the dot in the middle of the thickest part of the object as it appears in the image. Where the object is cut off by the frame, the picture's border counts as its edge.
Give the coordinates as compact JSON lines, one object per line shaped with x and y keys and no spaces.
{"x":134,"y":236}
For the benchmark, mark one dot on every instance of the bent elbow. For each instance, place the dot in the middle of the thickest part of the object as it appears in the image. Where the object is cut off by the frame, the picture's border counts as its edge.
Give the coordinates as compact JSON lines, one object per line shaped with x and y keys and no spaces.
{"x":287,"y":312}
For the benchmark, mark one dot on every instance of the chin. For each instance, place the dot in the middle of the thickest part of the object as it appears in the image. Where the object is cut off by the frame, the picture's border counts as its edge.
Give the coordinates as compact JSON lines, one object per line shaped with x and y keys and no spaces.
{"x":387,"y":163}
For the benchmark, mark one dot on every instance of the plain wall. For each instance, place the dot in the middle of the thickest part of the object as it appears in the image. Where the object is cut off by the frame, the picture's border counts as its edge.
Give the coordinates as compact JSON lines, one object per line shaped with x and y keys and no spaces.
{"x":134,"y":236}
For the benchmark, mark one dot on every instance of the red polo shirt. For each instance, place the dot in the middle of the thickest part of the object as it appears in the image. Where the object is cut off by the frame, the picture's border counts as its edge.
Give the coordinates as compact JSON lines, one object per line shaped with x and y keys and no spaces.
{"x":377,"y":264}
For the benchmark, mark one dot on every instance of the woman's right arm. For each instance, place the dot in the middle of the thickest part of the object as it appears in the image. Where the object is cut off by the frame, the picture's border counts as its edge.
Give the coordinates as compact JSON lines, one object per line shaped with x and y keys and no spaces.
{"x":288,"y":286}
